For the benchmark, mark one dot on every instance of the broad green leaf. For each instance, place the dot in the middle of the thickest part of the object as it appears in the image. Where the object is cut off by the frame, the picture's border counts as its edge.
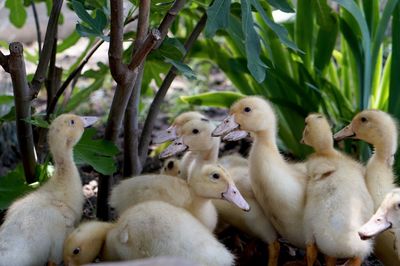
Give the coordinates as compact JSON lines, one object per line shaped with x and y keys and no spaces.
{"x":12,"y":186}
{"x":217,"y":17}
{"x":252,"y":44}
{"x":223,"y":99}
{"x":394,"y":95}
{"x":38,"y":121}
{"x":83,"y":95}
{"x":97,"y":153}
{"x":181,"y":67}
{"x":6,"y":99}
{"x":171,"y":48}
{"x":10,"y":116}
{"x":282,"y":5}
{"x":68,"y":42}
{"x":304,"y":29}
{"x":17,"y":12}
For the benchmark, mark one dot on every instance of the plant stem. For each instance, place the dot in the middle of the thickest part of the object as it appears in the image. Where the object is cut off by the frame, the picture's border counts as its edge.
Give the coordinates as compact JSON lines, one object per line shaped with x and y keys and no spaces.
{"x":22,"y":110}
{"x":155,"y":105}
{"x":38,"y":32}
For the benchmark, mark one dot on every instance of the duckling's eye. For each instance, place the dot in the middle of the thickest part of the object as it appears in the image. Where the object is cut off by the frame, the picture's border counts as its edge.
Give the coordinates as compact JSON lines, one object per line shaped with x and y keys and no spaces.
{"x":195,"y":131}
{"x":398,"y":205}
{"x":170,"y":165}
{"x":247,"y":109}
{"x":363,"y":119}
{"x":215,"y":176}
{"x":76,"y":251}
{"x":71,"y":122}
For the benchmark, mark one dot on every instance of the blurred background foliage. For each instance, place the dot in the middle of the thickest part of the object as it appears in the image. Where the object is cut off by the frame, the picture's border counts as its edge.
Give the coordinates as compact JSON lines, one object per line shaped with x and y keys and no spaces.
{"x":335,"y":57}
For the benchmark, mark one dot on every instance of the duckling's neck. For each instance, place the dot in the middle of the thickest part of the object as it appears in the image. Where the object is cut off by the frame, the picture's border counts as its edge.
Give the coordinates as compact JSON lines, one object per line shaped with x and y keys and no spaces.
{"x":64,"y":163}
{"x":201,"y":207}
{"x":327,"y":151}
{"x":211,"y":154}
{"x":267,"y":139}
{"x":384,"y":152}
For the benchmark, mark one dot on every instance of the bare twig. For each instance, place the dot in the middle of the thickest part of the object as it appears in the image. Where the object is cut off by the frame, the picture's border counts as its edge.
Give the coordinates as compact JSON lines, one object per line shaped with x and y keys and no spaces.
{"x":44,"y":59}
{"x":4,"y":61}
{"x":38,"y":32}
{"x":132,"y":165}
{"x":155,"y":105}
{"x":22,"y":110}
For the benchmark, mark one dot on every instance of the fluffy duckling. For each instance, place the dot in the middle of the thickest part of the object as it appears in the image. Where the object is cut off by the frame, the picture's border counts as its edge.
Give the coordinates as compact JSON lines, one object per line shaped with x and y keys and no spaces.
{"x":171,"y":167}
{"x":173,"y":131}
{"x":36,"y":225}
{"x":209,"y":182}
{"x":338,"y":201}
{"x":148,"y":229}
{"x":379,"y":129}
{"x":196,"y":136}
{"x":278,"y":187}
{"x":386,"y":217}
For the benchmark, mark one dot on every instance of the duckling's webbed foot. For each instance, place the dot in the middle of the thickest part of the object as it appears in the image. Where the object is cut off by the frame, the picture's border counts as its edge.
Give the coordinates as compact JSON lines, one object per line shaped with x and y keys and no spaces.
{"x":312,"y":253}
{"x":330,"y":261}
{"x":273,"y":253}
{"x":357,"y":261}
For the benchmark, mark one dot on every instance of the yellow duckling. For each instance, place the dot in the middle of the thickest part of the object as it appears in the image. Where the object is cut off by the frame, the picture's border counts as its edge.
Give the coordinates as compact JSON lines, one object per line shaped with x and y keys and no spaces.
{"x":338,"y":201}
{"x":379,"y":129}
{"x":208,"y":182}
{"x":36,"y":225}
{"x":278,"y":187}
{"x":148,"y":229}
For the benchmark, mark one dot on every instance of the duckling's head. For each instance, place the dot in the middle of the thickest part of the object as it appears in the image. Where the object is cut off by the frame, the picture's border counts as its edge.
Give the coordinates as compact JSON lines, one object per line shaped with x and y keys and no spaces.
{"x":213,"y":181}
{"x":317,"y":133}
{"x":252,"y":114}
{"x":195,"y":135}
{"x":387,"y":216}
{"x":171,"y":167}
{"x":66,"y":130}
{"x":373,"y":126}
{"x":173,"y":131}
{"x":84,"y":244}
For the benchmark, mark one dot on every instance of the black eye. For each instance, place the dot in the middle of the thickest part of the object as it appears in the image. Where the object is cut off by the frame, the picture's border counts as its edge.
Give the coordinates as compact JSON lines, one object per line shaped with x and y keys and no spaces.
{"x":76,"y":251}
{"x":195,"y":131}
{"x":170,"y":165}
{"x":247,"y":109}
{"x":398,"y":205}
{"x":363,"y":119}
{"x":215,"y":176}
{"x":71,"y":122}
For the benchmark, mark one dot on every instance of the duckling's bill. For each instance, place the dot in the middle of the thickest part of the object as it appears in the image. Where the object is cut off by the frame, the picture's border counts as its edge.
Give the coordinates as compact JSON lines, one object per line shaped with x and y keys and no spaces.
{"x":233,"y":195}
{"x":166,"y":135}
{"x":226,"y":126}
{"x":88,"y":120}
{"x":346,"y":132}
{"x":377,"y":224}
{"x":175,"y":147}
{"x":235,"y":135}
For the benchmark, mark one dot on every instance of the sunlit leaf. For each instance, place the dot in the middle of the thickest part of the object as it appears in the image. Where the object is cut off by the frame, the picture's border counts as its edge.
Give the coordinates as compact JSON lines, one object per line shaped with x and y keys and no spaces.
{"x":223,"y":99}
{"x":17,"y":12}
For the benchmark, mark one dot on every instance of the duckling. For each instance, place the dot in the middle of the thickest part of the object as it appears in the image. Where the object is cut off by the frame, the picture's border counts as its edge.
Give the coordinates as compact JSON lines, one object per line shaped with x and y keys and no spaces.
{"x":209,"y":182}
{"x":196,"y":137}
{"x":386,"y":217}
{"x":278,"y":187}
{"x":35,"y":226}
{"x":171,"y":167}
{"x":338,"y":201}
{"x":148,"y":229}
{"x":173,"y":131}
{"x":379,"y":129}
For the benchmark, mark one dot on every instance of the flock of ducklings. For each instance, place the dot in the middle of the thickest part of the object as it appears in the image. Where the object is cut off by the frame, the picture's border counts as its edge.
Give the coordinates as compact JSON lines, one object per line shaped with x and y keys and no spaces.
{"x":325,"y":204}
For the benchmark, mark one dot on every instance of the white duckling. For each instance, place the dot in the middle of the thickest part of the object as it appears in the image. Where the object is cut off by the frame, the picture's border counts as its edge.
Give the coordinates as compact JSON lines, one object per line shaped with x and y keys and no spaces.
{"x":196,"y":137}
{"x":36,"y":225}
{"x":148,"y":229}
{"x":171,"y":167}
{"x":278,"y":187}
{"x":386,"y":217}
{"x":338,"y":201}
{"x":208,"y":182}
{"x":379,"y":129}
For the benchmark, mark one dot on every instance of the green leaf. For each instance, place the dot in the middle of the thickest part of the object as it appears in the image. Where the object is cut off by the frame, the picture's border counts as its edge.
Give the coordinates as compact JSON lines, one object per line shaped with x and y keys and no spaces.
{"x":223,"y":99}
{"x":281,"y":5}
{"x":83,"y":95}
{"x":68,"y":42}
{"x":10,"y":116}
{"x":37,"y":121}
{"x":12,"y":186}
{"x":183,"y":68}
{"x":217,"y":17}
{"x":394,"y":95}
{"x":6,"y":99}
{"x":170,"y":48}
{"x":97,"y":153}
{"x":252,"y":44}
{"x":17,"y":12}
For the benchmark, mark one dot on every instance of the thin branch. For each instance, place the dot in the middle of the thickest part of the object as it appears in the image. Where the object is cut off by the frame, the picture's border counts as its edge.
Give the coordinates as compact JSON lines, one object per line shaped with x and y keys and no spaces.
{"x":71,"y":77}
{"x":38,"y":32}
{"x":155,"y":105}
{"x":149,"y":43}
{"x":44,"y":59}
{"x":132,"y":165}
{"x":22,"y":110}
{"x":4,"y":61}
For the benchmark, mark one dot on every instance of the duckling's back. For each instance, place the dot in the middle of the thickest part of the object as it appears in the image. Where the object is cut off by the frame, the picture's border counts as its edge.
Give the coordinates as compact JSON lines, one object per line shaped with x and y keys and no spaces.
{"x":156,"y":228}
